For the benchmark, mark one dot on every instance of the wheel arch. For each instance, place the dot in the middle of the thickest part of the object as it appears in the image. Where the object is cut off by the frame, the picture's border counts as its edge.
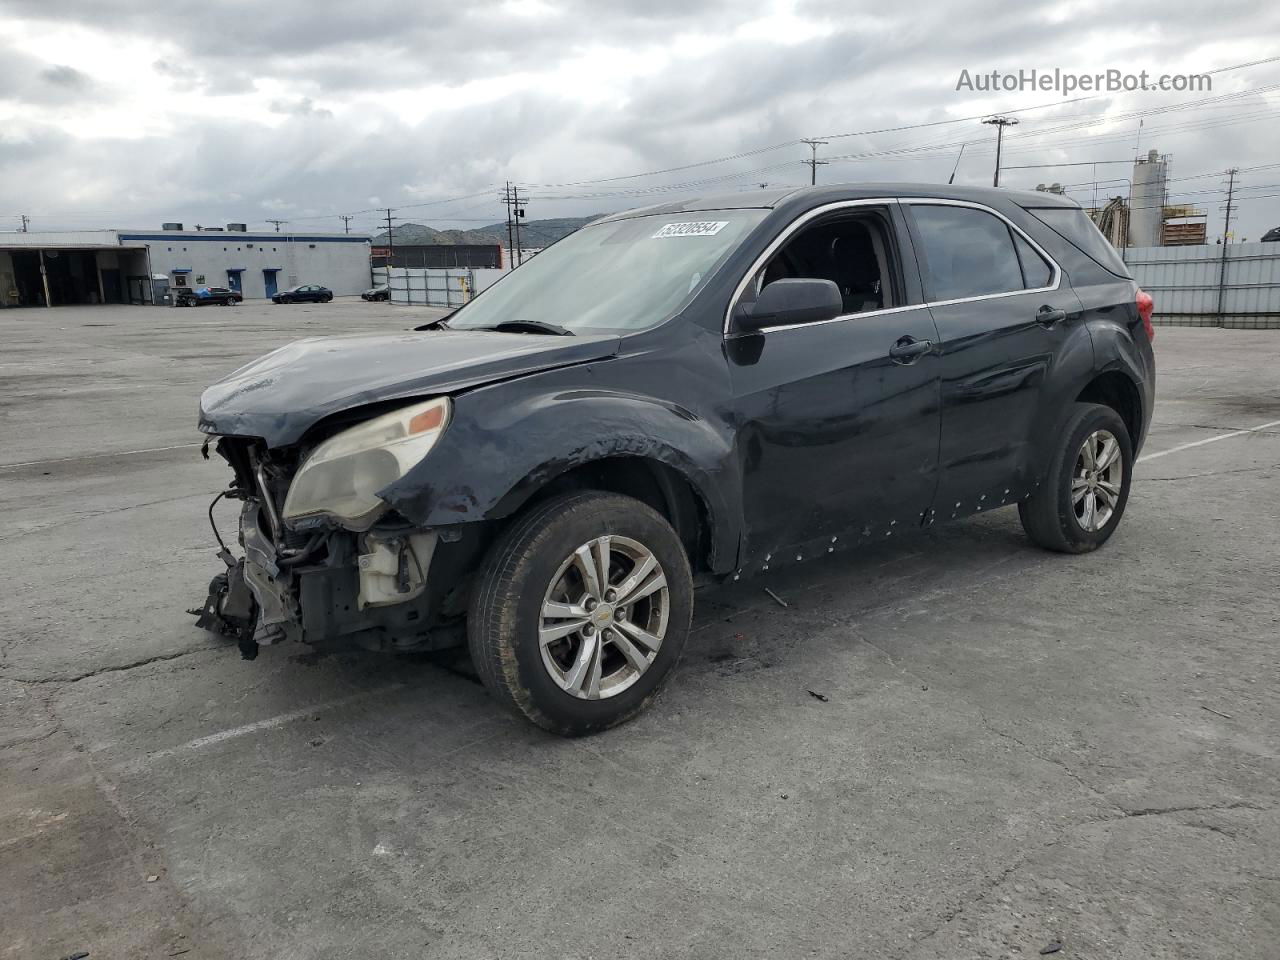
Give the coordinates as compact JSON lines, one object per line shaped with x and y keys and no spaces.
{"x":659,"y":484}
{"x":1116,"y":389}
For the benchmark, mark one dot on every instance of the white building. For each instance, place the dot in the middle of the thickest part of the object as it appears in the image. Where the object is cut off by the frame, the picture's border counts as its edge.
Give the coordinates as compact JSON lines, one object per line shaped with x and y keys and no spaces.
{"x":141,"y":266}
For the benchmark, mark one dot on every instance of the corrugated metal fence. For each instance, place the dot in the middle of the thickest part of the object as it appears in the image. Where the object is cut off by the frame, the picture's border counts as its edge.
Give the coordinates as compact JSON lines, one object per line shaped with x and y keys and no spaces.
{"x":1197,"y":287}
{"x":435,"y":287}
{"x":432,"y":288}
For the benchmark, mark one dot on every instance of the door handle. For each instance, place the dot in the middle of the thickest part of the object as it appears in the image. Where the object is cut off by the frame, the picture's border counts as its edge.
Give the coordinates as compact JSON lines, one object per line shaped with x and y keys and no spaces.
{"x":1048,"y":316}
{"x":909,"y":350}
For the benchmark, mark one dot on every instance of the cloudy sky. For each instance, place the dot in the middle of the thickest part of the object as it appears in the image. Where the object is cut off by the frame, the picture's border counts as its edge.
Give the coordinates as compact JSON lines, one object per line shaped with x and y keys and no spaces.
{"x":127,"y":113}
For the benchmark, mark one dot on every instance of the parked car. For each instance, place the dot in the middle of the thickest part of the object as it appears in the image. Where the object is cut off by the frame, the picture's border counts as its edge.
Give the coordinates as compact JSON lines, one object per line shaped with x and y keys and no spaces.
{"x":702,"y":391}
{"x":304,"y":293}
{"x":204,"y":296}
{"x":381,"y":292}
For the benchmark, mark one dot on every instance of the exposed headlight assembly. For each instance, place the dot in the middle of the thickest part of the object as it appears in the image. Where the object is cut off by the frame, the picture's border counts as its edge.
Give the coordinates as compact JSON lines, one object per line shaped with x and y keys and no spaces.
{"x":342,"y":476}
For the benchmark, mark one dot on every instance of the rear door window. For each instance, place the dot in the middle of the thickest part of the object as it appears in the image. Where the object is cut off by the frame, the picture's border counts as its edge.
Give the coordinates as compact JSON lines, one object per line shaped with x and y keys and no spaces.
{"x":1036,"y":271}
{"x":967,"y":252}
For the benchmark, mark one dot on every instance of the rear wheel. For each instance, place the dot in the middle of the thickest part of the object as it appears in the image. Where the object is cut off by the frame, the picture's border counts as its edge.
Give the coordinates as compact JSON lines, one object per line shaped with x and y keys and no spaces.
{"x":581,"y":611}
{"x":1083,"y":498}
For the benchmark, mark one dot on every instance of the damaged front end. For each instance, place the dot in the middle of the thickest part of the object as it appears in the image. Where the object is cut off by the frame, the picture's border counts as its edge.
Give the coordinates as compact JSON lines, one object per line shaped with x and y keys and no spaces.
{"x":309,"y":575}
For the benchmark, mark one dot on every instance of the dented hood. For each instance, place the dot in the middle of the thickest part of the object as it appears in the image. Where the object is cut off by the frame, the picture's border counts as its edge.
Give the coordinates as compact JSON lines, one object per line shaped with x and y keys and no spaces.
{"x":279,"y":396}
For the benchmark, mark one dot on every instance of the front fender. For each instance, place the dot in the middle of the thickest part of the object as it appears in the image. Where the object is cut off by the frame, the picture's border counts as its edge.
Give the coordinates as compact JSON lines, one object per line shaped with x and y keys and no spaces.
{"x":506,"y":441}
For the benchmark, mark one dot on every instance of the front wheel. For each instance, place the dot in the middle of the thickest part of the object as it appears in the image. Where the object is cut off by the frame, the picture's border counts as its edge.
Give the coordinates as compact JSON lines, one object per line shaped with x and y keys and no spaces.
{"x":581,"y":611}
{"x":1081,"y":502}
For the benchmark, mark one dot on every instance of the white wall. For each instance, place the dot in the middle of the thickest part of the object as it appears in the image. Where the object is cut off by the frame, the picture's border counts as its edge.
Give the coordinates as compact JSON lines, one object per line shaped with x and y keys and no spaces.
{"x":339,"y":262}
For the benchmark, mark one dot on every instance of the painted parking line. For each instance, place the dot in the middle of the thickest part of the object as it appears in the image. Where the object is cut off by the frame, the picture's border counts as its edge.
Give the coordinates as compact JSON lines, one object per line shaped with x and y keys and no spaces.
{"x":270,"y":723}
{"x":99,"y":456}
{"x":1200,"y":443}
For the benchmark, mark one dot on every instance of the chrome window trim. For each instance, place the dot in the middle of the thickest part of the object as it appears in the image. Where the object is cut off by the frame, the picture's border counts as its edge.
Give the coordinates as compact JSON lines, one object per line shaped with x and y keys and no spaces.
{"x":1057,"y":270}
{"x":782,"y":238}
{"x":840,"y":319}
{"x":804,"y":218}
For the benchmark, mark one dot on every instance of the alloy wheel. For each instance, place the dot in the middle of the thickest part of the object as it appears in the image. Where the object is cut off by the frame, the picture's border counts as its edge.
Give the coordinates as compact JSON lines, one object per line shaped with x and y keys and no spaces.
{"x":603,"y":618}
{"x":1096,"y":480}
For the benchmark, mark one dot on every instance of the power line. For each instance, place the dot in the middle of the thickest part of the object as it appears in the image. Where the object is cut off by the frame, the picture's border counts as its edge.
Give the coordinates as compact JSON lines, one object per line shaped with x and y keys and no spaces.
{"x":277,"y":223}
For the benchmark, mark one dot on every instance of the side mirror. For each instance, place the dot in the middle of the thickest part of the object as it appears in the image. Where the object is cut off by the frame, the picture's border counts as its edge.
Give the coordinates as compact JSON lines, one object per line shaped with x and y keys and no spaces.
{"x":785,"y":302}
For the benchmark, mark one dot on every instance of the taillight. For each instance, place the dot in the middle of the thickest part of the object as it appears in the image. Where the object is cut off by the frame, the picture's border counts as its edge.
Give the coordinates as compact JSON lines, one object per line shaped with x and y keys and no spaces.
{"x":1146,"y":307}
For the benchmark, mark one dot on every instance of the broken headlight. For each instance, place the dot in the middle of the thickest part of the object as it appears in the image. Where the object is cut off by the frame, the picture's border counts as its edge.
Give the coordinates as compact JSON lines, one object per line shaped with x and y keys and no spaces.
{"x":342,"y":476}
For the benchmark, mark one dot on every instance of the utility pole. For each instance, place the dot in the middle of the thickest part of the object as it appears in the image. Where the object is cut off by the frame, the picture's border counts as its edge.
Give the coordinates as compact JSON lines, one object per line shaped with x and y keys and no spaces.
{"x":276,"y":222}
{"x":26,"y":221}
{"x":1226,"y":235}
{"x":346,"y":222}
{"x":813,"y":161}
{"x":391,"y":239}
{"x":519,"y":215}
{"x":999,"y":123}
{"x":511,"y":243}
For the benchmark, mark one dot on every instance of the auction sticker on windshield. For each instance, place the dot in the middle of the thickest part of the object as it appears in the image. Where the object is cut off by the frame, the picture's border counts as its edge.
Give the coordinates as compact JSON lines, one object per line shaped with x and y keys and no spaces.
{"x":691,"y":228}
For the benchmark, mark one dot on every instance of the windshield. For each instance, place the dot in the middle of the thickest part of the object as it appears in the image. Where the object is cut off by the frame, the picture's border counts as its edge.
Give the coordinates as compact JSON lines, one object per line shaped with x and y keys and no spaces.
{"x":624,"y":275}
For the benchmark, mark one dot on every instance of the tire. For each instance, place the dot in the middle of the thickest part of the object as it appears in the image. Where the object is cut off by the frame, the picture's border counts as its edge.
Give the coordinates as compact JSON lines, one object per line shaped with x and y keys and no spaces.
{"x":532,"y":563}
{"x":1053,"y":517}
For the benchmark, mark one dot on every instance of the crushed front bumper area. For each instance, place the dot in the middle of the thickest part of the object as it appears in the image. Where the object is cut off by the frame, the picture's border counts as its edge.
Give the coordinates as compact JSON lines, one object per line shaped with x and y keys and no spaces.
{"x":323,"y":586}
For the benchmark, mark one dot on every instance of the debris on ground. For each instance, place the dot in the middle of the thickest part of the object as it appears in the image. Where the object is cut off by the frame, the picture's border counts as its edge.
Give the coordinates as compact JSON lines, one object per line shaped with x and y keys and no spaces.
{"x":1217,"y":713}
{"x":819,"y":696}
{"x":781,"y":602}
{"x":76,"y":956}
{"x":152,"y":877}
{"x":1051,"y":948}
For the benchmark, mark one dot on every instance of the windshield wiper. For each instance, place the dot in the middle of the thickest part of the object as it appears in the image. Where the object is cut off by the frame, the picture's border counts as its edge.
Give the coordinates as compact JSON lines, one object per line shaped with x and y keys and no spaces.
{"x":529,"y":326}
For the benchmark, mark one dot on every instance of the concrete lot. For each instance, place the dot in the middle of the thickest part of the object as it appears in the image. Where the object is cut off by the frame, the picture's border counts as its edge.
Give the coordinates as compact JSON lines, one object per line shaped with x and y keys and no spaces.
{"x":1018,"y":748}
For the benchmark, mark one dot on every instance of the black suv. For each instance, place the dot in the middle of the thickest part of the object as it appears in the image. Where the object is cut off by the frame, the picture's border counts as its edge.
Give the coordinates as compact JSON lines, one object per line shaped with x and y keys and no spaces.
{"x":693,"y":391}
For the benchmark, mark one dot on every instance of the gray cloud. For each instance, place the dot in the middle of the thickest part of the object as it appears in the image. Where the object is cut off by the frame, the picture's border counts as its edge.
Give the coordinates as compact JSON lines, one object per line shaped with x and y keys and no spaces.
{"x":26,"y":79}
{"x":878,"y":67}
{"x":301,"y":107}
{"x":67,"y":77}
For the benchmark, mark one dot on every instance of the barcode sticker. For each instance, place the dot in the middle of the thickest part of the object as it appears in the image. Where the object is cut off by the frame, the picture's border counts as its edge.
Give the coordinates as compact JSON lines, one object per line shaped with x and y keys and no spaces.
{"x":691,"y":228}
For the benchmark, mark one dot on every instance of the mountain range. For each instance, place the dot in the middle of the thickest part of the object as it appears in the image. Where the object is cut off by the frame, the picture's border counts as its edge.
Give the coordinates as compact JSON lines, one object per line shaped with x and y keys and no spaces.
{"x":534,"y":234}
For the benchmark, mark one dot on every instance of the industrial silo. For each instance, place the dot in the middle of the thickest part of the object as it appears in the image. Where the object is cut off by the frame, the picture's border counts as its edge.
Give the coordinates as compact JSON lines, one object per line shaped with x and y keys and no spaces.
{"x":1147,"y":210}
